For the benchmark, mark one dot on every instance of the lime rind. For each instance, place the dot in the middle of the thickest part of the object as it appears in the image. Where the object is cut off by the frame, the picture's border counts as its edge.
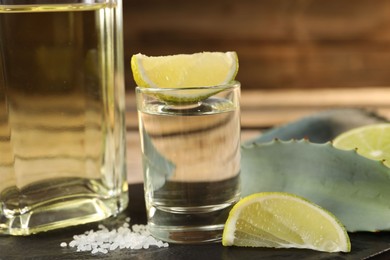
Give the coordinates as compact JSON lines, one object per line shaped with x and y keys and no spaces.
{"x":187,"y":95}
{"x":275,"y":233}
{"x":136,"y":75}
{"x":186,"y":98}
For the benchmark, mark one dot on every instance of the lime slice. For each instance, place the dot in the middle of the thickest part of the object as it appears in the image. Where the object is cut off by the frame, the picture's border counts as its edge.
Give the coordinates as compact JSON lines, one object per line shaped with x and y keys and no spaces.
{"x":283,"y":220}
{"x":371,"y":141}
{"x":201,"y":74}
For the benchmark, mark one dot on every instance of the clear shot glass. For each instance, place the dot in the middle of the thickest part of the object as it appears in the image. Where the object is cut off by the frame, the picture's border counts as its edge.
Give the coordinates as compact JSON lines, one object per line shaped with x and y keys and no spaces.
{"x":191,"y":160}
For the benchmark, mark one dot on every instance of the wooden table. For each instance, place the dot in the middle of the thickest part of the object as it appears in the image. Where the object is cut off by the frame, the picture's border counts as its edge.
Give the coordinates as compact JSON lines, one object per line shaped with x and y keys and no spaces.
{"x":263,"y":109}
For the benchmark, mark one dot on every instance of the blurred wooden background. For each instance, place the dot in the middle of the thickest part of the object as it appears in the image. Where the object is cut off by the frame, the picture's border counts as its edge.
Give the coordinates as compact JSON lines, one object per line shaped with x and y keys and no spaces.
{"x":285,"y":44}
{"x":297,"y":57}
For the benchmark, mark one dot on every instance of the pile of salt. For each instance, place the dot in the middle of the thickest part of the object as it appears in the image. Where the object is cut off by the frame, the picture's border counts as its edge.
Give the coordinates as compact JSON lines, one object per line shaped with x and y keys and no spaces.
{"x":104,"y":240}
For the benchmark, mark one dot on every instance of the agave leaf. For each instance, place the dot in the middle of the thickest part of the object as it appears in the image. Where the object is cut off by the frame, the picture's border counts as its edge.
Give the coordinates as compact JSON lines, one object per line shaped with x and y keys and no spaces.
{"x":355,"y":189}
{"x":321,"y":127}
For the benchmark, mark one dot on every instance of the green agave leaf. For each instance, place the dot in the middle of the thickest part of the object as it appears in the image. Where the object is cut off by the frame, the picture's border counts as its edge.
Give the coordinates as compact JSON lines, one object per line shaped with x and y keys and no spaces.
{"x":355,"y":189}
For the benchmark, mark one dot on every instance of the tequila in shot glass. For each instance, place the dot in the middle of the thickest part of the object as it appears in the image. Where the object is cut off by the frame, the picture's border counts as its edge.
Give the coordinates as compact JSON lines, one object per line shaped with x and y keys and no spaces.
{"x":191,"y":160}
{"x":62,"y":131}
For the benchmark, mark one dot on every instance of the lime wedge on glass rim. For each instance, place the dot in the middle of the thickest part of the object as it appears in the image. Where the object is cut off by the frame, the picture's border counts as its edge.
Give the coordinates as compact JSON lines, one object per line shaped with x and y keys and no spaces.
{"x":371,"y":141}
{"x":283,"y":220}
{"x":200,"y":74}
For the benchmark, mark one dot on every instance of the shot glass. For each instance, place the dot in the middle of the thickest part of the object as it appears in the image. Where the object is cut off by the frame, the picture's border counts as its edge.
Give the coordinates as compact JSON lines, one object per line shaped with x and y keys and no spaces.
{"x":62,"y":130}
{"x":191,"y":160}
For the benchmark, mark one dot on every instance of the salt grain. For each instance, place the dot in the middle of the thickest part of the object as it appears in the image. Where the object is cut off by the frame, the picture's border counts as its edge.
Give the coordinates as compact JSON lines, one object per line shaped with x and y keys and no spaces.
{"x":103,"y":240}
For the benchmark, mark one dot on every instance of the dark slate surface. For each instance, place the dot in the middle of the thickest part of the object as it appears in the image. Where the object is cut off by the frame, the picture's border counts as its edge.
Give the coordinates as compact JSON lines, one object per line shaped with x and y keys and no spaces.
{"x":47,"y":245}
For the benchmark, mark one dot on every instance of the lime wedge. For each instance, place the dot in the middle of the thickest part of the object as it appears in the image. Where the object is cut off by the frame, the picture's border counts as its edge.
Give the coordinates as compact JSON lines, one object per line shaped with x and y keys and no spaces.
{"x":371,"y":141}
{"x":283,"y":220}
{"x":201,"y":74}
